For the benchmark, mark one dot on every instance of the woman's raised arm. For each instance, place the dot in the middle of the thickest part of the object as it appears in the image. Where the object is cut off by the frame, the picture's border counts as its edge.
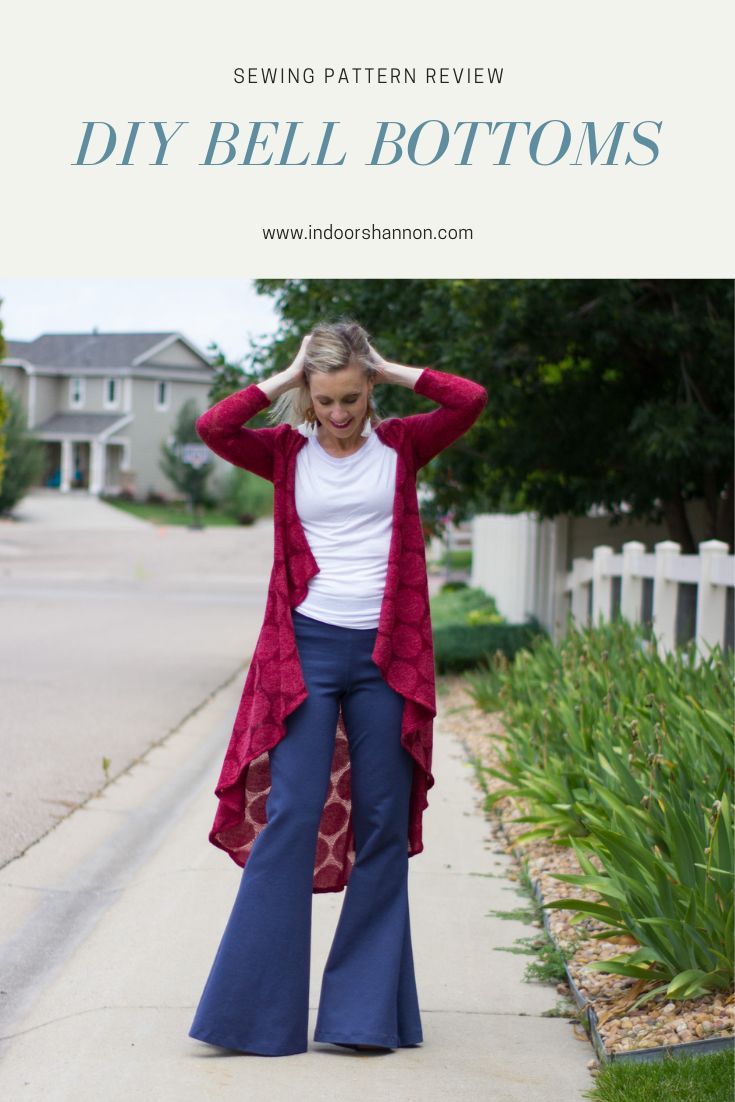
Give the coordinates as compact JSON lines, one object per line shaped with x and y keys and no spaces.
{"x":222,"y":428}
{"x":461,"y":401}
{"x":223,"y":431}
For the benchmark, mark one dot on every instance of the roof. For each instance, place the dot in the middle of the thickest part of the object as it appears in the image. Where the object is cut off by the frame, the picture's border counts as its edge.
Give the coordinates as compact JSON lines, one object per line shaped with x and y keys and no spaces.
{"x":80,"y":424}
{"x":105,"y":350}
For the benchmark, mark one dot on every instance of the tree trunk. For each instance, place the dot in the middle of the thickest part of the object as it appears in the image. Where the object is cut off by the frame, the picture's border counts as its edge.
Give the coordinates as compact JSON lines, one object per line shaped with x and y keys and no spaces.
{"x":678,"y":523}
{"x":725,"y":519}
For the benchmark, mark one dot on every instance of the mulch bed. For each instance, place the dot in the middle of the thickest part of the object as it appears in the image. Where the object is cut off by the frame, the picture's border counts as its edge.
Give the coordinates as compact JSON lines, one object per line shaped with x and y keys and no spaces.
{"x":659,"y":1022}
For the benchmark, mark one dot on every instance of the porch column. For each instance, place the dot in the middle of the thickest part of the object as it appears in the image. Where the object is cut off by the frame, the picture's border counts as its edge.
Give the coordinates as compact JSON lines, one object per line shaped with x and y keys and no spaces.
{"x":97,"y":464}
{"x":66,"y":464}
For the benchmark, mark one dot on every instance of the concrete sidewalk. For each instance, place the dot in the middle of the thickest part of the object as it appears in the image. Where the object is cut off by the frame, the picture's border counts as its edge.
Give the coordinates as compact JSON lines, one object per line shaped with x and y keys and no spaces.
{"x":109,"y":925}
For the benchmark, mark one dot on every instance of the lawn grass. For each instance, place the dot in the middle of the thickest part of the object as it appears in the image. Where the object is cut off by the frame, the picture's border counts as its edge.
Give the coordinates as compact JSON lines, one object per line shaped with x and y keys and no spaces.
{"x":172,"y":513}
{"x":705,"y":1078}
{"x":457,"y":559}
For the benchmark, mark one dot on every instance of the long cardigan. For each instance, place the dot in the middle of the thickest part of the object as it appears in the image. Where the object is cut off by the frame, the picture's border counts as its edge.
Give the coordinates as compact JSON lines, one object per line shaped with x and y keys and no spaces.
{"x":403,"y":650}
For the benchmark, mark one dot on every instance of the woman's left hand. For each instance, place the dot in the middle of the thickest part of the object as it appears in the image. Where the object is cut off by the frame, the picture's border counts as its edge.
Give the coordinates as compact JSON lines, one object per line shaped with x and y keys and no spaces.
{"x":389,"y":372}
{"x":380,"y":365}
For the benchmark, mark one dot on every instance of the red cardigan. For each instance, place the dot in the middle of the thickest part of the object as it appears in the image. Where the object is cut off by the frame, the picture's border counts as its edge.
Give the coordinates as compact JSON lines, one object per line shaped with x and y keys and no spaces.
{"x":403,"y":650}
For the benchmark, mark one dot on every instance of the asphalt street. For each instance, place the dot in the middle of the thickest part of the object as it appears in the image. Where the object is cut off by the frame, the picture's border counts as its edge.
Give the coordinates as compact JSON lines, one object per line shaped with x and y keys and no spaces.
{"x":113,"y":631}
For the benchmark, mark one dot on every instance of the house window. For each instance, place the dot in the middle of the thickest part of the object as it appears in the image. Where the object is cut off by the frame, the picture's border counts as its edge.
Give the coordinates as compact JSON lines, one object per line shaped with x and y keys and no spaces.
{"x":76,"y":392}
{"x":163,"y":392}
{"x":112,"y":392}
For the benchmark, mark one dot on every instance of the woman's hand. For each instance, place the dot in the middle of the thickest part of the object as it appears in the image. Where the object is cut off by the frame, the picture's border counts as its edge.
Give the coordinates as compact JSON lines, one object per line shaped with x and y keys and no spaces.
{"x":388,"y":372}
{"x":291,"y":377}
{"x":295,"y":372}
{"x":380,"y":365}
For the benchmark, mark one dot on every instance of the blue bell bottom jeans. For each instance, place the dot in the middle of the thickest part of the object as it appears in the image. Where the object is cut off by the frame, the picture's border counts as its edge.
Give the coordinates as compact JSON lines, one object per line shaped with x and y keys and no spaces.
{"x":256,"y":998}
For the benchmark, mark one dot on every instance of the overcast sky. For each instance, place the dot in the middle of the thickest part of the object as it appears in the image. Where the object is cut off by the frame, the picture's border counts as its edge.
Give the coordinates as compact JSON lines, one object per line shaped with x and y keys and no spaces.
{"x":227,"y":311}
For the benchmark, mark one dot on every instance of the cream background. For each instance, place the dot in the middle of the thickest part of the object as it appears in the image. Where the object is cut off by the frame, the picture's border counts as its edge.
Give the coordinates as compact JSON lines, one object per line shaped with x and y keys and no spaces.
{"x":63,"y":64}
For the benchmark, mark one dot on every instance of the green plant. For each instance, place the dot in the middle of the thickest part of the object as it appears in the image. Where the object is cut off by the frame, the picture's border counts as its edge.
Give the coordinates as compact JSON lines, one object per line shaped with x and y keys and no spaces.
{"x":626,"y":755}
{"x":458,"y":647}
{"x":680,"y":910}
{"x":548,"y":963}
{"x":23,"y":454}
{"x":245,"y":493}
{"x":458,"y":558}
{"x":4,"y":411}
{"x":455,"y":601}
{"x":468,"y":630}
{"x":483,"y":616}
{"x":189,"y":478}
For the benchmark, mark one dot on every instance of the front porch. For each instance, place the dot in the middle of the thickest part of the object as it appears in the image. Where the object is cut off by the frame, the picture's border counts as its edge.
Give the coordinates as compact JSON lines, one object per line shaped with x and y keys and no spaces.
{"x":81,"y":452}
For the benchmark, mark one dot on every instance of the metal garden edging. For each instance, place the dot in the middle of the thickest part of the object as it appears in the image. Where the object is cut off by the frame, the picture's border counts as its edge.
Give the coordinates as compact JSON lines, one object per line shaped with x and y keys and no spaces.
{"x":641,"y":1055}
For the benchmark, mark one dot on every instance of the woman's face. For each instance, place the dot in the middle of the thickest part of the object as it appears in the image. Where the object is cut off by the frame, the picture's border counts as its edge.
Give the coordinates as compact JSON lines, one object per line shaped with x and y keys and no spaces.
{"x":340,"y":401}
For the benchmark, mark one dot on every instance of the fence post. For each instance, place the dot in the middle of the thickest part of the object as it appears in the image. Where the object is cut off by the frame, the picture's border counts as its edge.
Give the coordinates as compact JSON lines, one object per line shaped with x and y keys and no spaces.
{"x":711,"y":597}
{"x":665,"y":594}
{"x":631,"y":582}
{"x":578,"y":604}
{"x":601,"y":583}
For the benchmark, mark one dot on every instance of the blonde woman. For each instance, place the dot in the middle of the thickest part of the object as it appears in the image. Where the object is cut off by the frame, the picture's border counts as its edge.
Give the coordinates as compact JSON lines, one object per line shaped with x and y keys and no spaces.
{"x":324,"y":782}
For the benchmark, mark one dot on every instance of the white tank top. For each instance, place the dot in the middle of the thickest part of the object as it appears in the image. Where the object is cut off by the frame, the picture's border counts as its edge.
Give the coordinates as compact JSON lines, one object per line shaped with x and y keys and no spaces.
{"x":346,"y":510}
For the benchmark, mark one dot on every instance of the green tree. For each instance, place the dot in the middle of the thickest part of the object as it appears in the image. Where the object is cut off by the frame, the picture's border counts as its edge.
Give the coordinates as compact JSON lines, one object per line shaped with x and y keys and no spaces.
{"x":228,"y":377}
{"x":3,"y":407}
{"x":601,"y":392}
{"x":189,"y":478}
{"x":4,"y":414}
{"x":23,"y":455}
{"x":243,"y":495}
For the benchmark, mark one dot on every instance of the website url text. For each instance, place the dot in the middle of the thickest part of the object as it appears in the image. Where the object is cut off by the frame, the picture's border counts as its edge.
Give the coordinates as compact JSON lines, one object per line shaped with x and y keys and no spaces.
{"x":367,"y":233}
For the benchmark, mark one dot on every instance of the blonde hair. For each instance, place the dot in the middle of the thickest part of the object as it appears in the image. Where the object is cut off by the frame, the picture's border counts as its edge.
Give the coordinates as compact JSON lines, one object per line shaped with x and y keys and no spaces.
{"x":332,"y":347}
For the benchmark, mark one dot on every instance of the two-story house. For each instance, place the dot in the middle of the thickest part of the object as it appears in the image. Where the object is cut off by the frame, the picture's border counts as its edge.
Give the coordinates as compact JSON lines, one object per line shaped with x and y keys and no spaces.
{"x":103,"y":403}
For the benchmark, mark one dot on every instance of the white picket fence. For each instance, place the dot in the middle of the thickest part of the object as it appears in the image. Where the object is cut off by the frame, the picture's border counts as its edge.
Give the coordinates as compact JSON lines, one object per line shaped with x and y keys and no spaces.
{"x":591,"y":583}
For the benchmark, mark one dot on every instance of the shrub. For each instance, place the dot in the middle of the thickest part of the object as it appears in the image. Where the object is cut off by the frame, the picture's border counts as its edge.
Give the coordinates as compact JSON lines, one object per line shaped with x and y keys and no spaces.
{"x":460,"y":647}
{"x":245,"y":496}
{"x":449,"y":587}
{"x":456,"y":599}
{"x":24,"y":455}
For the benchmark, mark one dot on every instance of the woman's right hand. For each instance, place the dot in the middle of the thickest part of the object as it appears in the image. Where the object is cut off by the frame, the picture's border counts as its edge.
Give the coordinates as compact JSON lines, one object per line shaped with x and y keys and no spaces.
{"x":295,"y":372}
{"x":290,"y":377}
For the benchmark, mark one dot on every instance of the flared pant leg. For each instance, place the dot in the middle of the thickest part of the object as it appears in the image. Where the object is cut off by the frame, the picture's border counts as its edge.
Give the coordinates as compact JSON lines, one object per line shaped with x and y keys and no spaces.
{"x":257,"y":993}
{"x":256,"y":998}
{"x":368,"y":992}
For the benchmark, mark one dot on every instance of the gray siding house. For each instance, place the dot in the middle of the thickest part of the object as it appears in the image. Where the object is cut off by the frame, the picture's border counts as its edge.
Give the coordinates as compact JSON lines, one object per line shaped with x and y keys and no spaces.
{"x":103,"y":403}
